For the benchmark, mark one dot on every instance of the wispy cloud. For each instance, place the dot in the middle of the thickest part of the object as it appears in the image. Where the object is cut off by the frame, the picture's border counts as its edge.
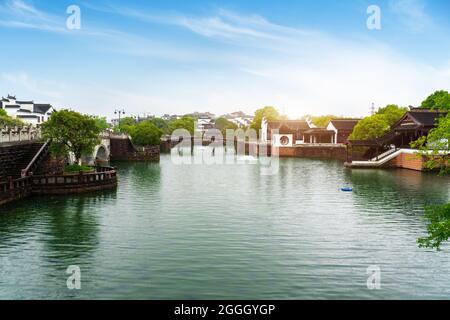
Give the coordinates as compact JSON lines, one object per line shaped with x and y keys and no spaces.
{"x":412,"y":13}
{"x":244,"y":61}
{"x":22,"y":81}
{"x":19,"y":14}
{"x":223,"y":24}
{"x":22,"y":15}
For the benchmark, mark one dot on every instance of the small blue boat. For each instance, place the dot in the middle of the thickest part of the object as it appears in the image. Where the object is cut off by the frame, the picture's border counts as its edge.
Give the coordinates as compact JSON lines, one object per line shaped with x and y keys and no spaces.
{"x":347,"y":189}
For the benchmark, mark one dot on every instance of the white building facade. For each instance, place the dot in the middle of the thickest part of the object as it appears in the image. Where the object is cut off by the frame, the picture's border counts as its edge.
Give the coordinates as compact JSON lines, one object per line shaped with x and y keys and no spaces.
{"x":27,"y":111}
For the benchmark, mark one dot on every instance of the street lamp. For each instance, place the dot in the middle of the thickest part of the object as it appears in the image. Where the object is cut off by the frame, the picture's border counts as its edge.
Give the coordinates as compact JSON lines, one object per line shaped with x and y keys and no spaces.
{"x":119,"y":112}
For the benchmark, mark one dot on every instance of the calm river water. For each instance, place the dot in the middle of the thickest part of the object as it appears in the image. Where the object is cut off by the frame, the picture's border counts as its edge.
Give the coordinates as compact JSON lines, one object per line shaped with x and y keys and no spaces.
{"x":218,"y":232}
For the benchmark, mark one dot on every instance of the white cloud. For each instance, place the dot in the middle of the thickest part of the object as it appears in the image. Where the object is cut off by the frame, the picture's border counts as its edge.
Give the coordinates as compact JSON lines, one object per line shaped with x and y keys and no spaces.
{"x":302,"y":71}
{"x":22,"y":84}
{"x":246,"y":62}
{"x":19,"y":14}
{"x":412,"y":13}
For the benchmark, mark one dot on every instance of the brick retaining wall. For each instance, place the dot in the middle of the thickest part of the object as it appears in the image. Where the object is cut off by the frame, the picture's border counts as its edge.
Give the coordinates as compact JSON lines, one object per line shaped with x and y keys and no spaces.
{"x":123,"y":150}
{"x":407,"y":161}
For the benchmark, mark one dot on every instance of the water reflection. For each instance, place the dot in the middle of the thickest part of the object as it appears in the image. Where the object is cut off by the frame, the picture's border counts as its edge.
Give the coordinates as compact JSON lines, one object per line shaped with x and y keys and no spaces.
{"x":405,"y":190}
{"x":73,"y":227}
{"x":222,"y":232}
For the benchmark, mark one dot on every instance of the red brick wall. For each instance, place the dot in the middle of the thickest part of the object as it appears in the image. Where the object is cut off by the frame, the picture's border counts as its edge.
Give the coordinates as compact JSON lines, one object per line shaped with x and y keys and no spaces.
{"x":315,"y":152}
{"x":287,"y":152}
{"x":407,"y":161}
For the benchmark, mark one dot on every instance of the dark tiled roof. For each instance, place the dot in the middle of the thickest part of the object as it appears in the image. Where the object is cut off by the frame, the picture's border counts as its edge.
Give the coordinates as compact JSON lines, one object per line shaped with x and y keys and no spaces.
{"x":42,"y":108}
{"x":426,"y":118}
{"x":24,"y":110}
{"x":345,"y":124}
{"x":24,"y":102}
{"x":11,"y":106}
{"x":292,"y":124}
{"x":421,"y":117}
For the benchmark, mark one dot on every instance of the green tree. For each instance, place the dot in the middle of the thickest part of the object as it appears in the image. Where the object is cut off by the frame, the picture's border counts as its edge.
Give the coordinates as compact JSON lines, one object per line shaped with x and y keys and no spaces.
{"x":126,"y":124}
{"x":321,"y":121}
{"x":186,"y":122}
{"x":146,"y":134}
{"x":370,"y":128}
{"x":223,"y":124}
{"x":439,"y":100}
{"x":102,"y":123}
{"x":270,"y":113}
{"x":71,"y":132}
{"x":438,"y":228}
{"x":378,"y":124}
{"x":392,"y":113}
{"x":431,"y":147}
{"x":6,"y":120}
{"x":160,"y":123}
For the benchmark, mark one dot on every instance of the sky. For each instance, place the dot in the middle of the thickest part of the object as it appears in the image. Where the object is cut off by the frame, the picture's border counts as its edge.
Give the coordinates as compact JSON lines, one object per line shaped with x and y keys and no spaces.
{"x":176,"y":57}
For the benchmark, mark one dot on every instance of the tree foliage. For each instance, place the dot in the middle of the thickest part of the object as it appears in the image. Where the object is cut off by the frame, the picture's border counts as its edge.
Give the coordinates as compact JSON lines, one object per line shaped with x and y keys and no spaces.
{"x":377,"y":125}
{"x":71,"y":132}
{"x":6,"y":120}
{"x":270,"y":113}
{"x":392,"y":113}
{"x":438,"y":228}
{"x":126,"y":124}
{"x":146,"y":134}
{"x":322,"y":121}
{"x":439,"y":100}
{"x":185,"y":122}
{"x":370,"y":128}
{"x":224,"y":124}
{"x":160,"y":123}
{"x":431,"y":147}
{"x":102,"y":123}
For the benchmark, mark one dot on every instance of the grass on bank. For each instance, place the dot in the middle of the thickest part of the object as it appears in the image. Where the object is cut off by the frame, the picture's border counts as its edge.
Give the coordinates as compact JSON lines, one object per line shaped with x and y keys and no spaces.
{"x":73,"y":168}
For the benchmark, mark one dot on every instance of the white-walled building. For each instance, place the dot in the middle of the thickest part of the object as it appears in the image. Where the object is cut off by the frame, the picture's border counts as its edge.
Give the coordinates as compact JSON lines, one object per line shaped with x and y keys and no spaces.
{"x":27,"y":111}
{"x":239,"y":118}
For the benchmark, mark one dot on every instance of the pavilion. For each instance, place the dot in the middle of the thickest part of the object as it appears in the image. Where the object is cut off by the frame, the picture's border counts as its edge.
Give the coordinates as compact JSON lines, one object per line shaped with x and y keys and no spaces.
{"x":414,"y":124}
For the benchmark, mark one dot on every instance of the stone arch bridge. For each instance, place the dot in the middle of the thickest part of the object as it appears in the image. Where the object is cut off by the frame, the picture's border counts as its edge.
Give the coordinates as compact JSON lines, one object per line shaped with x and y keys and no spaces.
{"x":102,"y":152}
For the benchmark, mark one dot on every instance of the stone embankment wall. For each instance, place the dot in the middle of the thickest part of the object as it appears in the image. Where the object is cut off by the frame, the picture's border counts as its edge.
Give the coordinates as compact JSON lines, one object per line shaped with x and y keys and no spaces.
{"x":123,"y":150}
{"x":52,"y":166}
{"x":312,"y":151}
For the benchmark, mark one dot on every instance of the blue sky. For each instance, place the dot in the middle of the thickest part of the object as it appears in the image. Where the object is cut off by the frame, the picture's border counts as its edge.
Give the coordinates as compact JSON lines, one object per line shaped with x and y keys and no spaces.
{"x":181,"y":56}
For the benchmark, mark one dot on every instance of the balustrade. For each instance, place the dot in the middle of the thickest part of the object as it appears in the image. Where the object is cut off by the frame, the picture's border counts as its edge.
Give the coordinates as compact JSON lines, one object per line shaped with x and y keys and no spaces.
{"x":16,"y":134}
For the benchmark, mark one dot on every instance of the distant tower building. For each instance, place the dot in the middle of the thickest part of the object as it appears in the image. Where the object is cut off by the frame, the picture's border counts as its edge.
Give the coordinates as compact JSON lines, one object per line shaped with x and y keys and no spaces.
{"x":372,"y":109}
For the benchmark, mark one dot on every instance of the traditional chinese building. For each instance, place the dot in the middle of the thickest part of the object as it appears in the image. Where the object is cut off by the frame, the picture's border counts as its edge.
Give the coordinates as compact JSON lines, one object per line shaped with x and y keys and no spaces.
{"x":414,"y":124}
{"x":305,"y":132}
{"x":285,"y":132}
{"x":27,"y":111}
{"x":342,"y":129}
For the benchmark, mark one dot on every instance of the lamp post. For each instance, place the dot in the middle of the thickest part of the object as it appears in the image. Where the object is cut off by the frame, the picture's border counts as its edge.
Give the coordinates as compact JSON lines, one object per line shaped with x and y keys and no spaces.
{"x":119,"y":112}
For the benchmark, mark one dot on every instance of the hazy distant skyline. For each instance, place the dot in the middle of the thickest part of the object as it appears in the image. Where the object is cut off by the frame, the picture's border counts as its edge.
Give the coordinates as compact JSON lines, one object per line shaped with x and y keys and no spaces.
{"x":176,"y":57}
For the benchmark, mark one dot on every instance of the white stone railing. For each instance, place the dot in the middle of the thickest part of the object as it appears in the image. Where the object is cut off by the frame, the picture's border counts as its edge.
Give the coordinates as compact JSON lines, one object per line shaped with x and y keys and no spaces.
{"x":17,"y":134}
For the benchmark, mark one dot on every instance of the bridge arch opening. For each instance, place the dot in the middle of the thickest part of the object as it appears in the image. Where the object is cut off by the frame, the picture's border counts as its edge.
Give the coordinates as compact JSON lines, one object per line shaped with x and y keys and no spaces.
{"x":102,"y":155}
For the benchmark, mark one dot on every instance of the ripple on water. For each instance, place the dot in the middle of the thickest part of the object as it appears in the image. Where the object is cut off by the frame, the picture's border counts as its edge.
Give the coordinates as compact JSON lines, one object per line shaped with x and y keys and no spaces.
{"x":182,"y":232}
